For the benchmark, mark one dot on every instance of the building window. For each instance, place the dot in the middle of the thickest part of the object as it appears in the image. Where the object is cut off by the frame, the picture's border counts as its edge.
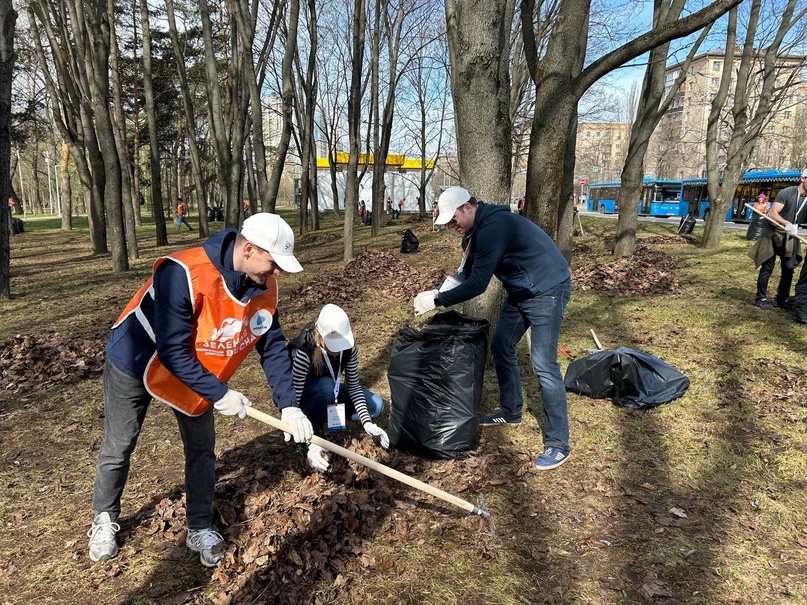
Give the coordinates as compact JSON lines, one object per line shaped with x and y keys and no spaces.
{"x":715,"y":81}
{"x":787,"y":115}
{"x":715,"y":65}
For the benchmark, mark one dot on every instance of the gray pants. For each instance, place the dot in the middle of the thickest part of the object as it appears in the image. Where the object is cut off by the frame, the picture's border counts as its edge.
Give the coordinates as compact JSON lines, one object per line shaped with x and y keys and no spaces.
{"x":125,"y":403}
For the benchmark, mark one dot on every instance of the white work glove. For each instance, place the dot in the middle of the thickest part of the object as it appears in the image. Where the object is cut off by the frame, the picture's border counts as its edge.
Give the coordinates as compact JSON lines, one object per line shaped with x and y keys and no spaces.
{"x":792,"y":229}
{"x":233,"y":404}
{"x":376,"y":432}
{"x":317,"y":458}
{"x":301,"y":428}
{"x":424,"y":302}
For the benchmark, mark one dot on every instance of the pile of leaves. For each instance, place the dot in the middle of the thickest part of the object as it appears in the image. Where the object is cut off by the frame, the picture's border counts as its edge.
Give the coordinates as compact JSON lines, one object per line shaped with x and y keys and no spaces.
{"x":375,"y":270}
{"x":30,"y":362}
{"x":646,"y":273}
{"x":302,"y":541}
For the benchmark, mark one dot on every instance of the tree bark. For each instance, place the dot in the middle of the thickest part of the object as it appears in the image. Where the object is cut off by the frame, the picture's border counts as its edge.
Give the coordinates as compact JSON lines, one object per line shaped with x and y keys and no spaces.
{"x":354,"y":122}
{"x":8,"y":21}
{"x":479,"y":52}
{"x":151,"y":122}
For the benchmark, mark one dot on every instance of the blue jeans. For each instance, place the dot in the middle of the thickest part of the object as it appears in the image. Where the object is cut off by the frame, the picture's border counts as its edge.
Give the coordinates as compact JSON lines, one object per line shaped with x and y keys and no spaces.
{"x":125,"y":403}
{"x":544,"y":314}
{"x":183,"y":219}
{"x":318,"y":395}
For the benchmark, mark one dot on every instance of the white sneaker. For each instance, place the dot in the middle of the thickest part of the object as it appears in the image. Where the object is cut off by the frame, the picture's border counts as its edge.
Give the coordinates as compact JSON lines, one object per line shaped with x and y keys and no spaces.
{"x":103,"y":544}
{"x":208,"y":543}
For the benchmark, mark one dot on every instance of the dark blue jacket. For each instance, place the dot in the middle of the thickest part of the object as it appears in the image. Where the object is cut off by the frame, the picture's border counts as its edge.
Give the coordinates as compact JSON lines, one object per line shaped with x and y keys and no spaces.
{"x":515,"y":250}
{"x":170,"y":314}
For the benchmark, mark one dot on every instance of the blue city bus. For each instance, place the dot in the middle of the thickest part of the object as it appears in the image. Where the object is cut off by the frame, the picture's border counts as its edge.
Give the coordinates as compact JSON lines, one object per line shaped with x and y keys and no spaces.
{"x":659,"y":197}
{"x":695,"y":198}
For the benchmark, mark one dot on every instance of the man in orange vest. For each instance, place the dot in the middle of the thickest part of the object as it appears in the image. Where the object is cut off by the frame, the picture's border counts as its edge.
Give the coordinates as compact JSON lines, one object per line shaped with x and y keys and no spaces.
{"x":182,"y":215}
{"x":179,"y":340}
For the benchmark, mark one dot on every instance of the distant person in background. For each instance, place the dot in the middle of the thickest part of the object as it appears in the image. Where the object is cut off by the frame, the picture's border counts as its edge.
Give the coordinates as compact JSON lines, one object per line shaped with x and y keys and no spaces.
{"x":779,"y":239}
{"x":389,"y":205}
{"x":435,"y":213}
{"x":246,"y":208}
{"x":362,"y":211}
{"x":401,"y":205}
{"x":182,"y":215}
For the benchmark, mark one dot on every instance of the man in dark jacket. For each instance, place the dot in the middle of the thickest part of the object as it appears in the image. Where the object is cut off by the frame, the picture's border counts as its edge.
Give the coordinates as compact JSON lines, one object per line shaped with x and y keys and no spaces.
{"x":536,"y":278}
{"x":179,"y":340}
{"x":778,"y":239}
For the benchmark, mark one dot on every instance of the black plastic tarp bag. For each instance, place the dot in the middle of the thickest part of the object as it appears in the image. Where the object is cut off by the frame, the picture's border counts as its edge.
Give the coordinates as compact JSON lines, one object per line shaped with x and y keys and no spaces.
{"x":755,"y":225}
{"x":632,"y":379}
{"x":409,"y":242}
{"x":435,"y":376}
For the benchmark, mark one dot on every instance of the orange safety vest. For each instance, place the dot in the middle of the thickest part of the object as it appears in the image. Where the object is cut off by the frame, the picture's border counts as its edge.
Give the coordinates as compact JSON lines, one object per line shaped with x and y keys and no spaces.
{"x":181,"y":209}
{"x":226,"y":329}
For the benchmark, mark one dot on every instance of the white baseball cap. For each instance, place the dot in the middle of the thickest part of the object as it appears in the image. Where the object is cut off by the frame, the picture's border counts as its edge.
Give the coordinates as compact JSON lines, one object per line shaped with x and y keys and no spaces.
{"x":334,"y":327}
{"x":448,"y":202}
{"x":271,"y":233}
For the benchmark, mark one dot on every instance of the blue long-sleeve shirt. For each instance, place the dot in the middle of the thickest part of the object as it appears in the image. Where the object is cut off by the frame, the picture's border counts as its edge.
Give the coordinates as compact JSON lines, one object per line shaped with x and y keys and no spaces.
{"x":170,"y":315}
{"x":514,"y":249}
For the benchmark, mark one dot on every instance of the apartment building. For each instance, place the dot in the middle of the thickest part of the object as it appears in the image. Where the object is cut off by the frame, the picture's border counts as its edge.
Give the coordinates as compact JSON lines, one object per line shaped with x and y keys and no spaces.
{"x":678,"y":146}
{"x":601,"y":151}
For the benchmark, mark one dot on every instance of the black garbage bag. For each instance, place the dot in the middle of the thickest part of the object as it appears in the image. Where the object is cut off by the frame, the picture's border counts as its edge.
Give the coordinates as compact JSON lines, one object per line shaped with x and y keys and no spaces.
{"x":17,"y":225}
{"x":632,"y":379}
{"x":686,"y":225}
{"x":436,"y":373}
{"x":755,"y":226}
{"x":409,"y":242}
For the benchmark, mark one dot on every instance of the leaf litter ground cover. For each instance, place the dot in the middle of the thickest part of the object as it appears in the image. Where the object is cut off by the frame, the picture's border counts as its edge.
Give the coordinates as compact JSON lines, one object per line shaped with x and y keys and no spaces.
{"x":701,"y":501}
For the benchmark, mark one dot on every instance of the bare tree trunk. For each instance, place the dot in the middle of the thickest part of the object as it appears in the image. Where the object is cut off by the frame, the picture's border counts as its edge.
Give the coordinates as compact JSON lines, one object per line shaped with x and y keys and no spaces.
{"x":118,"y":124}
{"x":100,"y":32}
{"x":8,"y":21}
{"x":354,"y":122}
{"x":287,"y":100}
{"x":654,"y":102}
{"x":479,"y":50}
{"x":151,"y":122}
{"x":771,"y":89}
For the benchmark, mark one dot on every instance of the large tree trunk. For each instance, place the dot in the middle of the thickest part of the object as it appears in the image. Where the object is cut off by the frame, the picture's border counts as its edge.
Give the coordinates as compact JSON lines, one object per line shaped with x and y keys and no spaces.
{"x":118,"y":124}
{"x":8,"y":21}
{"x":151,"y":122}
{"x":479,"y":50}
{"x":354,"y":123}
{"x":100,"y":31}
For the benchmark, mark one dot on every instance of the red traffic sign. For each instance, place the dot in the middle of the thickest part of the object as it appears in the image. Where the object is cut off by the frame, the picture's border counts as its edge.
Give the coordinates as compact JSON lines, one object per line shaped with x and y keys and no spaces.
{"x":583,"y":182}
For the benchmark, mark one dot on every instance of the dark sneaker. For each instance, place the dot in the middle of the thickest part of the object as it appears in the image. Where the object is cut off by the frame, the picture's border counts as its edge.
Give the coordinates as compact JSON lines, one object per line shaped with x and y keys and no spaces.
{"x":103,"y":544}
{"x":208,"y":543}
{"x":500,"y":418}
{"x":786,"y":304}
{"x":764,"y":304}
{"x":552,"y":457}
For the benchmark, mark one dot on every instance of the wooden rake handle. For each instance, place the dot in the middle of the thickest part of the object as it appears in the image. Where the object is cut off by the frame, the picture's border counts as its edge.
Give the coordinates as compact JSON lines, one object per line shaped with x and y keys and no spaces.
{"x":376,"y":466}
{"x":750,"y":207}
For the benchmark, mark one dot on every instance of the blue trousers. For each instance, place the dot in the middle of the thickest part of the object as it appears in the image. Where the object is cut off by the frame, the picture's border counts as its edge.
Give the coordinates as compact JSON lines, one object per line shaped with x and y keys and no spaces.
{"x":183,"y":220}
{"x":125,"y":403}
{"x":544,"y":315}
{"x":318,"y":395}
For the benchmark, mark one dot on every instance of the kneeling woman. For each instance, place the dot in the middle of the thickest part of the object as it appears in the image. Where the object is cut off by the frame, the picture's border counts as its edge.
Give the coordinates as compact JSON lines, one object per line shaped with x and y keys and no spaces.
{"x":323,"y":352}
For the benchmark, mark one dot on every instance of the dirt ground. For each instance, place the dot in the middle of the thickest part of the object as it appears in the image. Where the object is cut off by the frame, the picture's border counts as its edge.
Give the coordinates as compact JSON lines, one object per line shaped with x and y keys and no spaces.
{"x":576,"y":535}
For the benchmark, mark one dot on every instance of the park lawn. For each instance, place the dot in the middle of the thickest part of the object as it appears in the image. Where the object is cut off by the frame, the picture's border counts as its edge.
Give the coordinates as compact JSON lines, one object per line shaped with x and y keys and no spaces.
{"x":701,"y":500}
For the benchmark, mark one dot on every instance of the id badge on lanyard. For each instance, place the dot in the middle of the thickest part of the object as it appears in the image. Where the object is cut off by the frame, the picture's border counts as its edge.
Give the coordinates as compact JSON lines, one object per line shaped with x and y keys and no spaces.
{"x":336,"y":410}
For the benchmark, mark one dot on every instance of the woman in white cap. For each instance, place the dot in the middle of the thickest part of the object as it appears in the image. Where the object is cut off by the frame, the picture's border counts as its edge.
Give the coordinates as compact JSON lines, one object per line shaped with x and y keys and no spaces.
{"x":323,"y":352}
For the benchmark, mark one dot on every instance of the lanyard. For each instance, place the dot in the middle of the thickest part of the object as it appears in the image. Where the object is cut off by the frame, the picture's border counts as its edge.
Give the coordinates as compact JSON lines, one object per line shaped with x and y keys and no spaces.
{"x":333,"y":374}
{"x":465,"y":256}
